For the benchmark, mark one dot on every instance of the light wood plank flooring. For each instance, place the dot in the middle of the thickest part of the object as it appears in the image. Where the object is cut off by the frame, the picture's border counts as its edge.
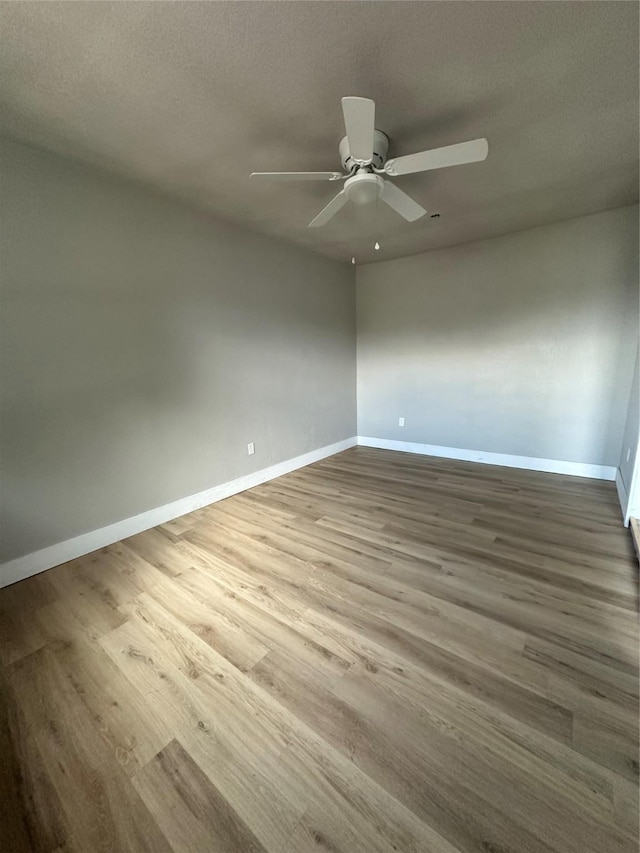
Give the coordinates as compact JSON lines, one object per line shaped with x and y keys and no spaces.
{"x":380,"y":652}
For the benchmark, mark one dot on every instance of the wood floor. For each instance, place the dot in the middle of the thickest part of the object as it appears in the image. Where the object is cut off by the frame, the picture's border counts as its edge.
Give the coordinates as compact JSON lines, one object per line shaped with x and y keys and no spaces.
{"x":380,"y":652}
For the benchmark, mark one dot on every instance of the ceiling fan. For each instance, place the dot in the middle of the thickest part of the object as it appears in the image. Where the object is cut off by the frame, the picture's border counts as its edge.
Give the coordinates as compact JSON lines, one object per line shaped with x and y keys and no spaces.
{"x":363,"y":153}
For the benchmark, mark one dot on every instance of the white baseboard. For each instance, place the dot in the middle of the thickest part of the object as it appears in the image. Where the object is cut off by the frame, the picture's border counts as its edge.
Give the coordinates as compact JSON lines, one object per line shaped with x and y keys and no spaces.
{"x":530,"y":463}
{"x":71,"y":549}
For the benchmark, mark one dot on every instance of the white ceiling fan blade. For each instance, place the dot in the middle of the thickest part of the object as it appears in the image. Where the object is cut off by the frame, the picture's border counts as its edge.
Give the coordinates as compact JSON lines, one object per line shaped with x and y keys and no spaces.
{"x":438,"y":158}
{"x":299,"y":176}
{"x":330,"y":210}
{"x":359,"y":118}
{"x":401,"y":202}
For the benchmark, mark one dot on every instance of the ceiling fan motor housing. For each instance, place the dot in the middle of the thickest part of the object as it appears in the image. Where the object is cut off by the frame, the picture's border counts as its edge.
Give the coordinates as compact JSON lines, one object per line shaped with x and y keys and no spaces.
{"x":380,"y":149}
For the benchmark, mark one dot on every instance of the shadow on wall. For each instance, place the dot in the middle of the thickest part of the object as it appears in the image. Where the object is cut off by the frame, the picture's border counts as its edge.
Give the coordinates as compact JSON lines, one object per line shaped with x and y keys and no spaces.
{"x":90,"y":377}
{"x":116,"y":402}
{"x":144,"y":346}
{"x":521,"y":345}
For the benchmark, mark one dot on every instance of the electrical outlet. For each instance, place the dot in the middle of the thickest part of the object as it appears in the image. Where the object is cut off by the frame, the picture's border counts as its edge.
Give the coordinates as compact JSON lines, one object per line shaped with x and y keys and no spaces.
{"x":251,"y":448}
{"x":400,"y":421}
{"x":628,"y":453}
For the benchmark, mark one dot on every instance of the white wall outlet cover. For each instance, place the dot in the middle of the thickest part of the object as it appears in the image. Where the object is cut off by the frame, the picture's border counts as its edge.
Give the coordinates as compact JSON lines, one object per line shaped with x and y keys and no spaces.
{"x":400,"y":421}
{"x":251,"y":448}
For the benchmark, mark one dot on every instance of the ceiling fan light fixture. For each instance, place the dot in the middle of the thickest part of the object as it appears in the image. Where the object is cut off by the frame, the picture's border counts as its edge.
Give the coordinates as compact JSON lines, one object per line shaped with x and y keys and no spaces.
{"x":363,"y":188}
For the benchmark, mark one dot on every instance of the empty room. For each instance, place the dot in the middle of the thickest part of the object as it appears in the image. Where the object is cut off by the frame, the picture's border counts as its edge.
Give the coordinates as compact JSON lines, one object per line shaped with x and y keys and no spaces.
{"x":319,"y":426}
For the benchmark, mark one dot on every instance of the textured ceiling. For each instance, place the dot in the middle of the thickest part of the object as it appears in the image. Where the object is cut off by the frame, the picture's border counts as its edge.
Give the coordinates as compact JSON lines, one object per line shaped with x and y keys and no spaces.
{"x":191,"y":97}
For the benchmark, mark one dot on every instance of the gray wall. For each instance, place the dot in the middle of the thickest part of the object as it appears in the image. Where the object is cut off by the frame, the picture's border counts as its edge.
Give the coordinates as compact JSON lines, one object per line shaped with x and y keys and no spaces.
{"x":144,"y":345}
{"x":521,"y":345}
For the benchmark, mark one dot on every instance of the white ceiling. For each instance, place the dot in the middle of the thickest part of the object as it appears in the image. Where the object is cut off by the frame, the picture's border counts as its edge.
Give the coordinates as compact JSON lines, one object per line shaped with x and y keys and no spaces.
{"x":191,"y":97}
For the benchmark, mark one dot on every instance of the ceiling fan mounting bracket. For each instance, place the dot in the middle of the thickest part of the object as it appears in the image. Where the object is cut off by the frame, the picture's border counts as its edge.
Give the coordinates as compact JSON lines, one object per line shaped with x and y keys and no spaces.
{"x":380,"y":149}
